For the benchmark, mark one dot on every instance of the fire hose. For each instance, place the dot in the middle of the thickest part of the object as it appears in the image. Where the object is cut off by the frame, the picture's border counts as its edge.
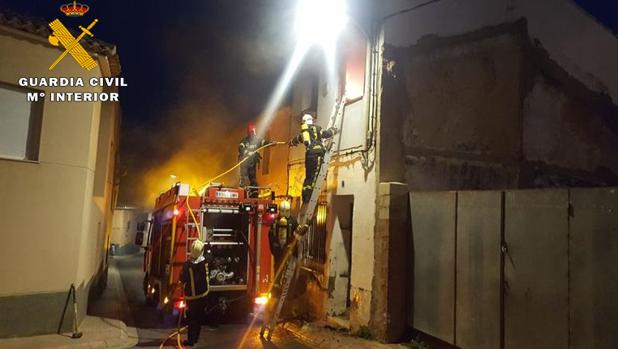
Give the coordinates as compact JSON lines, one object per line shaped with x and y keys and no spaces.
{"x":197,"y":226}
{"x":180,"y":330}
{"x":205,"y":184}
{"x":176,"y":333}
{"x":199,"y":231}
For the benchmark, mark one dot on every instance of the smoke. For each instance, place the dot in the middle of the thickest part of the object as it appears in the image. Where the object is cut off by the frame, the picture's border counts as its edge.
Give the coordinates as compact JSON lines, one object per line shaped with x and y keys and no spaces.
{"x":193,"y":147}
{"x":210,"y":72}
{"x":201,"y":145}
{"x":270,"y":43}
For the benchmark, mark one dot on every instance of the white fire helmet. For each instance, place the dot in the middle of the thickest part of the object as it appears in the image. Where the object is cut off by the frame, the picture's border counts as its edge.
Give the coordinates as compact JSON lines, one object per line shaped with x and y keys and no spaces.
{"x":197,"y":249}
{"x":284,"y":208}
{"x":308,"y":119}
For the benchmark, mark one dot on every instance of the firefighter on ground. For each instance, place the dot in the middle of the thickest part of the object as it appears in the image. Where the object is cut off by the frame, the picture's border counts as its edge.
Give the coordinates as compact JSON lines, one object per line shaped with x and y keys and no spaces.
{"x":312,"y":137}
{"x":194,"y":276}
{"x":248,"y":149}
{"x":281,"y":233}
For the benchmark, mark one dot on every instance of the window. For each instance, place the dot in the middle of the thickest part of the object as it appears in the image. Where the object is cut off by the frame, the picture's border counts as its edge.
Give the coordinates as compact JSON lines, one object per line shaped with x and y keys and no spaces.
{"x":354,"y":61}
{"x":20,"y":124}
{"x":316,"y":251}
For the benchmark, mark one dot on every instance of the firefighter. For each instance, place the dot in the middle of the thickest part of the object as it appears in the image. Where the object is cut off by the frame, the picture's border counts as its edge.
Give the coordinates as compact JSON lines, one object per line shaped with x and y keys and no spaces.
{"x":194,"y":276}
{"x":281,"y":233}
{"x":281,"y":237}
{"x":248,"y":149}
{"x":312,"y":137}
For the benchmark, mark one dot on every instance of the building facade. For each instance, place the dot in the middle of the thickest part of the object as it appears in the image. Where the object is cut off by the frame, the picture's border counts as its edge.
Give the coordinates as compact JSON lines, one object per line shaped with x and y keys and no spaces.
{"x":454,"y":95}
{"x":126,"y":223}
{"x":57,"y":182}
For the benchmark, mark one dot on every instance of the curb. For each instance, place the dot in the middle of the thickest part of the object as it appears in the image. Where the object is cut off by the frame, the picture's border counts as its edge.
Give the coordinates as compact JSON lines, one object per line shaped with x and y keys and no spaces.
{"x":100,"y":333}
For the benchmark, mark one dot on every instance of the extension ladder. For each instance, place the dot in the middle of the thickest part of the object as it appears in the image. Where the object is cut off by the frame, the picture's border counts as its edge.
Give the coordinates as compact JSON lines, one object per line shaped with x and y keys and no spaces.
{"x":291,"y":261}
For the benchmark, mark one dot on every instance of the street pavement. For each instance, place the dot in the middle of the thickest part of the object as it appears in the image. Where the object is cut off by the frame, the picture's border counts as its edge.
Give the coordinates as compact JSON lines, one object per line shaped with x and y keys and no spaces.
{"x":124,"y":300}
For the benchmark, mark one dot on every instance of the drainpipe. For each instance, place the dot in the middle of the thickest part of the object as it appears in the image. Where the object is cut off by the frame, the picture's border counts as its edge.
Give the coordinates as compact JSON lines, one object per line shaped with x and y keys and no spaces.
{"x":375,"y":71}
{"x":376,"y":41}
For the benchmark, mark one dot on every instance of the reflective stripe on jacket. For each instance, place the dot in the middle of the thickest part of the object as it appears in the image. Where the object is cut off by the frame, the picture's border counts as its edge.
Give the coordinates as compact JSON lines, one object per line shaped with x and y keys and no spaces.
{"x":196,"y":278}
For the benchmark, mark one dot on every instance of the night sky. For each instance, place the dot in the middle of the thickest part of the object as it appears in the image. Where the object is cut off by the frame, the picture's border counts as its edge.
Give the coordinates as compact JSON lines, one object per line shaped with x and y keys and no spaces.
{"x":229,"y":38}
{"x":182,"y":61}
{"x":605,"y":11}
{"x":196,"y":70}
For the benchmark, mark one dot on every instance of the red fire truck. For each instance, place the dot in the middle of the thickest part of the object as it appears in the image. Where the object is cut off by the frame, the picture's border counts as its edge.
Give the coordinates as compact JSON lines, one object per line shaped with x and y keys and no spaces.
{"x":235,"y":229}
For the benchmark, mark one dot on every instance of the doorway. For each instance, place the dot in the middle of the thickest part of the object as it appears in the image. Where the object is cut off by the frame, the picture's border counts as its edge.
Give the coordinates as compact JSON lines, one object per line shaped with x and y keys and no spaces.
{"x":340,"y":220}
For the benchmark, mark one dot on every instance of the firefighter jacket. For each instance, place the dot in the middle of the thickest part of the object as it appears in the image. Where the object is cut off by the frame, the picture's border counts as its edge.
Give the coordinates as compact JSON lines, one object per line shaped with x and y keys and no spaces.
{"x":281,"y":234}
{"x":248,"y":147}
{"x":312,"y":136}
{"x":195,"y":277}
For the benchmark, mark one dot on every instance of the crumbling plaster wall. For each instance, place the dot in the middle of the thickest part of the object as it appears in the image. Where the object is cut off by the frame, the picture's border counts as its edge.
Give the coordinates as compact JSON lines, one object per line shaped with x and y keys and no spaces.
{"x":567,"y":32}
{"x":457,"y":102}
{"x":570,"y":134}
{"x":489,"y":110}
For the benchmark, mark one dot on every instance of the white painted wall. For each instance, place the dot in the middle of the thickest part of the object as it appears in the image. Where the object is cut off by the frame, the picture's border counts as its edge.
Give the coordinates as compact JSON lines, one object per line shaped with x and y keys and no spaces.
{"x":347,"y":177}
{"x":124,"y":226}
{"x":52,"y":232}
{"x":573,"y":38}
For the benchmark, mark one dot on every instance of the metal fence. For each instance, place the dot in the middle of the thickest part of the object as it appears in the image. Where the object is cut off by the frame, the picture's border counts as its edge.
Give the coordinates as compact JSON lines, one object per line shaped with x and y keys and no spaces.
{"x":516,"y":269}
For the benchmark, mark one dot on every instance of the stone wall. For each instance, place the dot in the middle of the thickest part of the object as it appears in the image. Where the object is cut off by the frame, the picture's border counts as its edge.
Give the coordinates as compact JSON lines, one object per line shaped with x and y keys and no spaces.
{"x":388,"y":304}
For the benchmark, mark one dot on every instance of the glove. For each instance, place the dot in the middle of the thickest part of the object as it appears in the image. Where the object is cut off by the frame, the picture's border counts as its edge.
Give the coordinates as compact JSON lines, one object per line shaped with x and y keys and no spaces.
{"x":335,"y":130}
{"x":302,"y":230}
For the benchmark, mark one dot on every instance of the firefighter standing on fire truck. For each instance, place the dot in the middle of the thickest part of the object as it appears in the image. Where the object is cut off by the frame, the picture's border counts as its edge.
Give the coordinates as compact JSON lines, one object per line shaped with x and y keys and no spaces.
{"x":248,"y":149}
{"x":312,"y":137}
{"x":194,"y":276}
{"x":281,"y":233}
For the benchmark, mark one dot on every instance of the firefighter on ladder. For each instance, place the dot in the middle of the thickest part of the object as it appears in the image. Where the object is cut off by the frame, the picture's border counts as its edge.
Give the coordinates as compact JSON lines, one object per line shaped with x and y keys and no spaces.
{"x":312,"y":136}
{"x":248,"y":169}
{"x":195,"y":277}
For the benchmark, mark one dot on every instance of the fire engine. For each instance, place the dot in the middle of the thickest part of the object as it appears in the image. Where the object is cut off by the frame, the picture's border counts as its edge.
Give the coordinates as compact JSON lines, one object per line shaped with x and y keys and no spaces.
{"x":235,"y":229}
